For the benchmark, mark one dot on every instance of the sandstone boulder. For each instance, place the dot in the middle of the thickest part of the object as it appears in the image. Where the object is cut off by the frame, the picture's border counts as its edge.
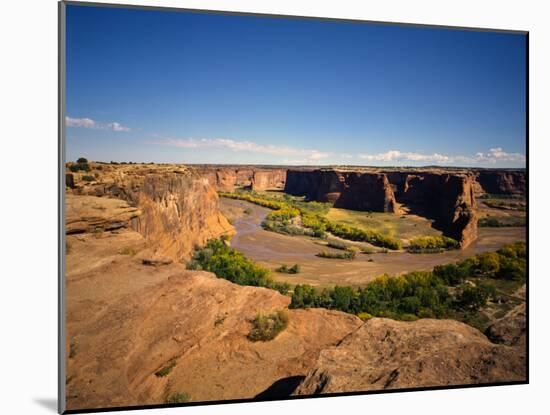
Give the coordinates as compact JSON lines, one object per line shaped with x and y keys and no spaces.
{"x":388,"y":354}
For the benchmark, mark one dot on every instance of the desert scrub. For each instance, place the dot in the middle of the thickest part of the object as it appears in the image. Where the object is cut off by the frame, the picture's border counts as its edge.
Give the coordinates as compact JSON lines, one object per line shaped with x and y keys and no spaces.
{"x":128,"y":251}
{"x":247,"y":211}
{"x":266,"y":327}
{"x":337,"y":255}
{"x":338,"y":245}
{"x":295,"y":269}
{"x":428,"y":244}
{"x":165,"y":370}
{"x":178,"y":398}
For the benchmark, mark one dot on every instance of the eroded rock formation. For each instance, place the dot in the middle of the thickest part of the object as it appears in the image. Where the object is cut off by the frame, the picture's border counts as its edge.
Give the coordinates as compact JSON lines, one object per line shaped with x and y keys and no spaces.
{"x":448,"y":198}
{"x":180,"y":208}
{"x":388,"y":354}
{"x":348,"y":190}
{"x":229,"y":178}
{"x":502,"y":181}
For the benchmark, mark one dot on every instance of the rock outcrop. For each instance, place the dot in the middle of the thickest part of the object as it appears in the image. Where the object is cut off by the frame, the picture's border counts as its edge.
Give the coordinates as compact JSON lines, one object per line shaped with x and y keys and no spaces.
{"x":349,"y":190}
{"x":387,"y":354}
{"x":511,"y":329}
{"x":229,"y":178}
{"x":502,"y":182}
{"x":448,"y":198}
{"x":126,"y":320}
{"x":180,"y":208}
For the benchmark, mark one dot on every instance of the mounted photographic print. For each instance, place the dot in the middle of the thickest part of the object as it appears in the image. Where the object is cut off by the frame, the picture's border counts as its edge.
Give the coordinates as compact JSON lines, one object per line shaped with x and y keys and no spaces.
{"x":258,"y":207}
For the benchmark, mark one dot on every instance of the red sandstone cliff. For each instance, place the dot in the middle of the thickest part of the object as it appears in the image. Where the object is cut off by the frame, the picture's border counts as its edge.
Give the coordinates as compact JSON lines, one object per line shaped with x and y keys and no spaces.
{"x":349,"y":190}
{"x":502,"y":181}
{"x":448,"y":198}
{"x":180,"y":209}
{"x":228,"y":178}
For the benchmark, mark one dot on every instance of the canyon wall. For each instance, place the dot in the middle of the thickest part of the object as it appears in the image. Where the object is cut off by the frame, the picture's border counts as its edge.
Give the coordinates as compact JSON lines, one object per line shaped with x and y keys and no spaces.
{"x":180,"y":208}
{"x":447,"y":198}
{"x":348,"y":190}
{"x":229,"y":178}
{"x":502,"y":182}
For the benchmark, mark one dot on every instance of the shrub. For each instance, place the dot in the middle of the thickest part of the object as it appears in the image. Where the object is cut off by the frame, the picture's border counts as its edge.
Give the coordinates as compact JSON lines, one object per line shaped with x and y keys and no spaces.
{"x":295,"y":269}
{"x":165,"y":370}
{"x":432,"y":244}
{"x":82,"y":160}
{"x":364,"y":316}
{"x":337,"y":245}
{"x":266,"y":327}
{"x":338,"y":255}
{"x":128,"y":251}
{"x":88,"y":178}
{"x":247,"y":211}
{"x":178,"y":398}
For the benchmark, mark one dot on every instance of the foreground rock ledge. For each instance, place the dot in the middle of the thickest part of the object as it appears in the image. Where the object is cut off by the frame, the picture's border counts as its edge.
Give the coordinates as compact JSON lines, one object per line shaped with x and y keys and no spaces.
{"x":388,"y":354}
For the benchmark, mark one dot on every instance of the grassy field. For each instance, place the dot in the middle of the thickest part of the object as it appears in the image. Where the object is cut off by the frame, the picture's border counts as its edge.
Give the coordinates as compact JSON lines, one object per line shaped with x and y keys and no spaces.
{"x":502,"y":211}
{"x":404,"y":227}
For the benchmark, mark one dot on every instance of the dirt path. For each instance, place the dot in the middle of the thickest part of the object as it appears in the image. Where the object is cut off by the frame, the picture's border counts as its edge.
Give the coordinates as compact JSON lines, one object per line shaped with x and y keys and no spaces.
{"x":272,"y":250}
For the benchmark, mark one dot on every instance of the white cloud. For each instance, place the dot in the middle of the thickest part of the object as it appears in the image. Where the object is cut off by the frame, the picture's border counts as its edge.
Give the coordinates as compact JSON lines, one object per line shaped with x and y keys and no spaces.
{"x":400,"y":156}
{"x":89,"y":123}
{"x":493,"y":156}
{"x":498,"y":154}
{"x":247,"y":146}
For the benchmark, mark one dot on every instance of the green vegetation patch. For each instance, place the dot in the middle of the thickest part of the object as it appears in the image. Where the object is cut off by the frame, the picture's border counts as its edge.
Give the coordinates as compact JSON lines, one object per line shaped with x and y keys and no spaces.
{"x":266,"y":327}
{"x":311,"y":214}
{"x":426,"y":244}
{"x":165,"y":370}
{"x":295,"y":269}
{"x":388,"y":224}
{"x":229,"y":264}
{"x":456,"y":290}
{"x":337,"y":255}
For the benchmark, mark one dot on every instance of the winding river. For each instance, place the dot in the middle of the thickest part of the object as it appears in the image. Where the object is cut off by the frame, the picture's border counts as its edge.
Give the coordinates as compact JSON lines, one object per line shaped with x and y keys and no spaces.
{"x":271,"y":250}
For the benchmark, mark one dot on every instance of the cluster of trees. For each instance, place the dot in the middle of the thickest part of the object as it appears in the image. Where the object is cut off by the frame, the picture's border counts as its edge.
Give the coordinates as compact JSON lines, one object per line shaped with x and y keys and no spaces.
{"x":256,"y":199}
{"x":432,"y":244}
{"x":425,"y":293}
{"x":80,"y":165}
{"x":351,"y":233}
{"x":231,"y":265}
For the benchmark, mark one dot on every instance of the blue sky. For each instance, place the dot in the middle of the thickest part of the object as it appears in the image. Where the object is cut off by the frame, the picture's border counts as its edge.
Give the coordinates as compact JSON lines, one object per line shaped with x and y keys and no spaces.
{"x":206,"y":88}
